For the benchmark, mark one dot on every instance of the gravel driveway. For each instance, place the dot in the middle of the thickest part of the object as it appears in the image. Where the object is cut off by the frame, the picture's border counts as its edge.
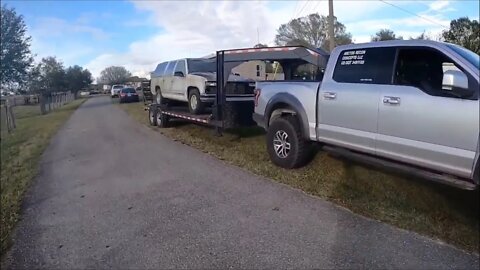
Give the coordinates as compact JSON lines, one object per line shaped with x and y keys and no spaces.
{"x":112,"y":193}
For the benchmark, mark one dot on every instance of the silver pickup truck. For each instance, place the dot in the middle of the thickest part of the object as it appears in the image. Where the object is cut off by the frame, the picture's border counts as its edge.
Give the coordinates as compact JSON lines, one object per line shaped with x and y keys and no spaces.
{"x":412,"y":105}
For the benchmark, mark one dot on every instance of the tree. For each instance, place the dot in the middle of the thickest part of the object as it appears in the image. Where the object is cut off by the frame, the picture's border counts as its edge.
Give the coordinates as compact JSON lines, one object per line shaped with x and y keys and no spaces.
{"x":114,"y":75}
{"x":311,"y":31}
{"x":77,"y":78}
{"x":464,"y":32}
{"x":385,"y":34}
{"x":260,"y":45}
{"x":48,"y":76}
{"x":422,"y":36}
{"x":15,"y":55}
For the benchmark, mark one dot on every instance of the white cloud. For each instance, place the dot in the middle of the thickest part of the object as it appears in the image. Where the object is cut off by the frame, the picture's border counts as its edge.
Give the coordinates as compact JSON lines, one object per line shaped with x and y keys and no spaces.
{"x":198,"y":28}
{"x":55,"y":27}
{"x":439,"y":5}
{"x":202,"y":28}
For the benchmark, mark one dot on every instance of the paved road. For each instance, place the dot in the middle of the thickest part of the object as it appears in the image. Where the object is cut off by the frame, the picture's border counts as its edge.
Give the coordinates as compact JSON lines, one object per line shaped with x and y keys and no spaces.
{"x":115,"y":194}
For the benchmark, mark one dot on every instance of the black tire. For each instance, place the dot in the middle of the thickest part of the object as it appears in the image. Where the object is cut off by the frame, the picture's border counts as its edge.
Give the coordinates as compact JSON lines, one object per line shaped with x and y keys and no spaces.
{"x":299,"y":152}
{"x":152,"y":116}
{"x":162,"y":120}
{"x":195,"y":105}
{"x":159,"y":99}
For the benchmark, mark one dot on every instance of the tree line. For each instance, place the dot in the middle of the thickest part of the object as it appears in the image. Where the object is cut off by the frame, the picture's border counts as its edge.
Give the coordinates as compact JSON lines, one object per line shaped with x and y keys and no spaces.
{"x":18,"y":70}
{"x":312,"y":30}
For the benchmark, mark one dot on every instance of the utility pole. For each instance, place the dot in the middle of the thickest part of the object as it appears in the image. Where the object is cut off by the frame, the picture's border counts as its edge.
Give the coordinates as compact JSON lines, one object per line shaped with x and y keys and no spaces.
{"x":331,"y":34}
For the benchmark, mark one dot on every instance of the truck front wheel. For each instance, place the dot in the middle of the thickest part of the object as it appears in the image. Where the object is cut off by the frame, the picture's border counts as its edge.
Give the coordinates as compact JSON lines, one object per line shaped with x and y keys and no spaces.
{"x":286,"y":145}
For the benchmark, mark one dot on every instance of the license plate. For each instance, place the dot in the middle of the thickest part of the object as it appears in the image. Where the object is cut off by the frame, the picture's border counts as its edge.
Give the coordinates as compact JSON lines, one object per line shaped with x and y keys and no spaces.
{"x":129,"y":94}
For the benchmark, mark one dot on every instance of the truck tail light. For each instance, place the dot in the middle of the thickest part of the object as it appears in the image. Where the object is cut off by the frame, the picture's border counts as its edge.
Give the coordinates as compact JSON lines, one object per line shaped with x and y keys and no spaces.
{"x":257,"y":93}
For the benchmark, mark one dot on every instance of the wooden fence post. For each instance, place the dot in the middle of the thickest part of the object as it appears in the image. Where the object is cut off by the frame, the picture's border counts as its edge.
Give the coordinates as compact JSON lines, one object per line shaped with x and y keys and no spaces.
{"x":9,"y":116}
{"x":41,"y":100}
{"x":12,"y":118}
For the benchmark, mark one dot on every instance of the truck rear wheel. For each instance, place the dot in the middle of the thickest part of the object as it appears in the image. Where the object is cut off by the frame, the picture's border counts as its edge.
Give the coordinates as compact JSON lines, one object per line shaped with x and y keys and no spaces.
{"x":286,"y":145}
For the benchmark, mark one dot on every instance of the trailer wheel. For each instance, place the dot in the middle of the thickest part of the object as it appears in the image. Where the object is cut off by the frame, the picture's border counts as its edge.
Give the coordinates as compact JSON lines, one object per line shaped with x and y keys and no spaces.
{"x":162,"y":120}
{"x":286,"y":146}
{"x":152,"y":116}
{"x":195,"y":105}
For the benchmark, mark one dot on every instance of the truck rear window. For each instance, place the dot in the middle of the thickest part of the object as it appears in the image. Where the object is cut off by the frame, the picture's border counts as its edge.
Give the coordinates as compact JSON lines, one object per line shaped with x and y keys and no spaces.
{"x":369,"y":66}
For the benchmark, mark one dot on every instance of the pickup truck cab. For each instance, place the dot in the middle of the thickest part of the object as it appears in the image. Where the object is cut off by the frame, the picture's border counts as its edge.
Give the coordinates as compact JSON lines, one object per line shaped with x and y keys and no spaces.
{"x":413,"y":104}
{"x":193,"y":80}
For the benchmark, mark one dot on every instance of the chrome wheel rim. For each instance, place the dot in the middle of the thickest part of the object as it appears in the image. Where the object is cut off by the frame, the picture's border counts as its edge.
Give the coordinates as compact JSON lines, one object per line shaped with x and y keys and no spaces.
{"x":159,"y":98}
{"x":159,"y":119}
{"x":193,"y":102}
{"x":281,"y":144}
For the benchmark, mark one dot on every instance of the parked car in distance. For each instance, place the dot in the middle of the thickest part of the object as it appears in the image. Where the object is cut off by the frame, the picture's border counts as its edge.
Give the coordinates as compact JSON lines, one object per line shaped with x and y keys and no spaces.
{"x":115,"y":90}
{"x":128,"y":94}
{"x":411,"y":105}
{"x":193,"y":80}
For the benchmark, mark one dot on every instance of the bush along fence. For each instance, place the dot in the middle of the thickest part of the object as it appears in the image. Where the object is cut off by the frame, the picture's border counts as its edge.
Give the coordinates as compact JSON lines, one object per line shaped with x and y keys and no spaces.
{"x":56,"y":100}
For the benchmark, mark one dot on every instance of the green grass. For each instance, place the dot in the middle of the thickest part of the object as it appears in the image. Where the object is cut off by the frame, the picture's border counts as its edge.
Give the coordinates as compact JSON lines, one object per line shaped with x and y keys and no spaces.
{"x":20,"y":153}
{"x":438,"y":211}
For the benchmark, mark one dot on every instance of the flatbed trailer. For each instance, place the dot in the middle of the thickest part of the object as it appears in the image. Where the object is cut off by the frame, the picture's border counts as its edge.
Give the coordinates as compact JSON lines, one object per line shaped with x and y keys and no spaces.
{"x":227,"y":113}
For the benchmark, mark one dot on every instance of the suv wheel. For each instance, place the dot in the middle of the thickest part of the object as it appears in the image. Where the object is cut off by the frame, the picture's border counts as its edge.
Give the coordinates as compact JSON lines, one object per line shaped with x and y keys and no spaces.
{"x":158,"y":97}
{"x":286,"y":145}
{"x":195,"y":105}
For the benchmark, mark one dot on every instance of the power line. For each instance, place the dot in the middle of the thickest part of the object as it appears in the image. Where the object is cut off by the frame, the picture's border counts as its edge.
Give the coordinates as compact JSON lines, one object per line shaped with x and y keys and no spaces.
{"x":295,"y":10}
{"x":414,"y":14}
{"x":318,"y":3}
{"x":304,"y":5}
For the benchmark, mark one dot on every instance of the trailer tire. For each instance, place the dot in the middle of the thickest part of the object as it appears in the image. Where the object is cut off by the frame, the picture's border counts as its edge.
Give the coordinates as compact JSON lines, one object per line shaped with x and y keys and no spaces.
{"x":162,"y":120}
{"x":152,"y":116}
{"x":286,"y":145}
{"x":195,"y":105}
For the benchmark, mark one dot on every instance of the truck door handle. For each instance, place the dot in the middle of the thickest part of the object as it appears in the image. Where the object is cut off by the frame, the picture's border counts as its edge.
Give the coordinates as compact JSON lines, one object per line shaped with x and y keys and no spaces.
{"x":329,"y":95}
{"x":391,"y":100}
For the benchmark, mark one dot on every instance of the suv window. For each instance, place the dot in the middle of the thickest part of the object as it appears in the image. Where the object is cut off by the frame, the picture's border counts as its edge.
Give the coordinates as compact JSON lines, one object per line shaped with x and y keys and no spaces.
{"x":159,"y":71}
{"x":423,"y":68}
{"x":170,"y":67}
{"x":181,"y":66}
{"x":369,"y":65}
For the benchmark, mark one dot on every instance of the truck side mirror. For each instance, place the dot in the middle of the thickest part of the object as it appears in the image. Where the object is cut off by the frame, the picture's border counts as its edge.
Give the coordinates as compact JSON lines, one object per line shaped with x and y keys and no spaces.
{"x":178,"y":74}
{"x":456,"y":81}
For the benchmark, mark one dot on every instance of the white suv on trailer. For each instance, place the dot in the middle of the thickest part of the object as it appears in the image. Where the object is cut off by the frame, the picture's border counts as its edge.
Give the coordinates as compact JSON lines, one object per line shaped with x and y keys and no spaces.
{"x":193,"y":80}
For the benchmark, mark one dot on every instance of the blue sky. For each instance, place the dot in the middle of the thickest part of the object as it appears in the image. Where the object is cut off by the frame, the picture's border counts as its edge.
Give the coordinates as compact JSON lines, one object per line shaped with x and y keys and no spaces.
{"x":139,"y":34}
